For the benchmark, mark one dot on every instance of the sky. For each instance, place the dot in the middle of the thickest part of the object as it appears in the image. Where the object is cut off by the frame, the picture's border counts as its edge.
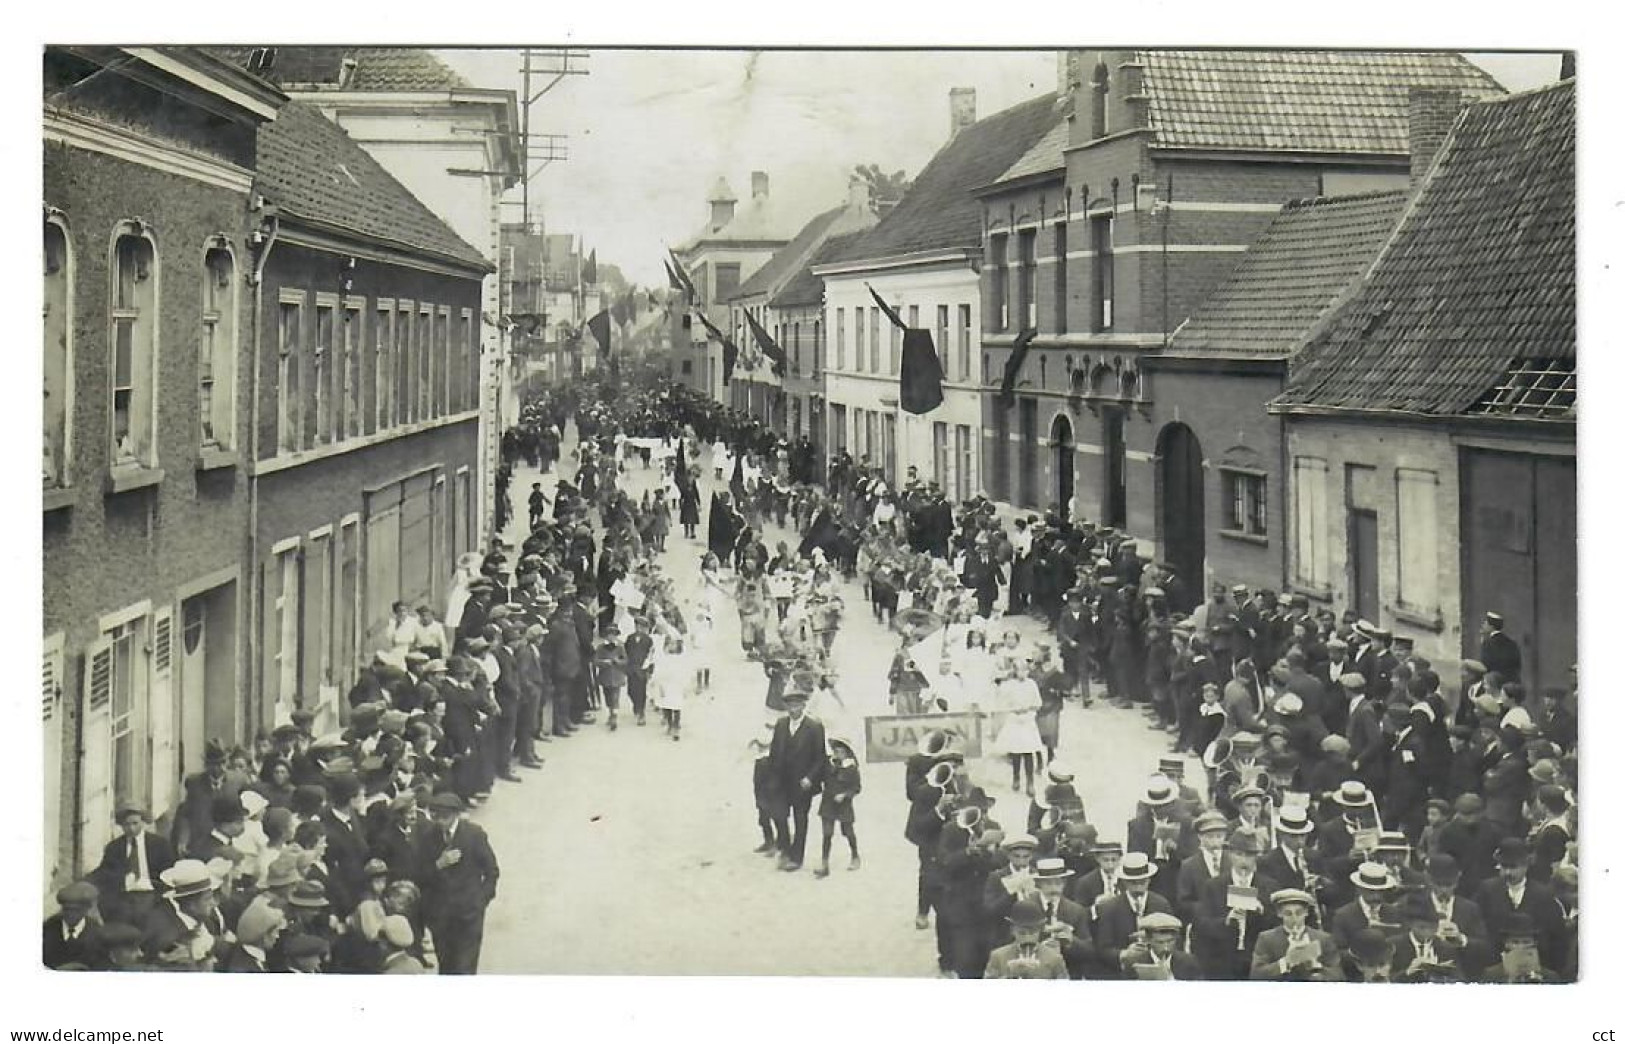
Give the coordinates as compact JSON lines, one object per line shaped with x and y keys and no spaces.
{"x":649,"y":132}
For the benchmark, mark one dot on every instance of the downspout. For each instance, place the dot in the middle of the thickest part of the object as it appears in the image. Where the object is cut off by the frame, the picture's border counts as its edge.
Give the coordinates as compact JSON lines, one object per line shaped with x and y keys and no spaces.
{"x":262,"y":239}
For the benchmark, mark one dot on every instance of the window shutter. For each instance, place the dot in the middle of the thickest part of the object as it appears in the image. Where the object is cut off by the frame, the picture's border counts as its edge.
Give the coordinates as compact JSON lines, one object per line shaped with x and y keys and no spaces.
{"x":99,"y":678}
{"x":96,"y":742}
{"x":51,"y":709}
{"x":51,"y":683}
{"x":161,"y":731}
{"x":162,"y":641}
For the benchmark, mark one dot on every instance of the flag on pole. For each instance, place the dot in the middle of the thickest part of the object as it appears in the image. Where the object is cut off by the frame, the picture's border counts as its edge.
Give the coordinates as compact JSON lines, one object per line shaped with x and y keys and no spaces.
{"x":769,"y":347}
{"x":920,"y":378}
{"x":589,"y":272}
{"x":1012,"y":366}
{"x":730,"y":351}
{"x":599,"y":325}
{"x":683,"y":277}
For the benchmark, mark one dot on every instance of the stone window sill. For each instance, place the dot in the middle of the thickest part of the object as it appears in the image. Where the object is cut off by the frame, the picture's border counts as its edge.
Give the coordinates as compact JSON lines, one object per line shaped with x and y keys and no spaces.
{"x":1312,"y":591}
{"x":1246,"y":538}
{"x":213,"y":457}
{"x":129,"y":478}
{"x":59,"y":497}
{"x":1419,"y":618}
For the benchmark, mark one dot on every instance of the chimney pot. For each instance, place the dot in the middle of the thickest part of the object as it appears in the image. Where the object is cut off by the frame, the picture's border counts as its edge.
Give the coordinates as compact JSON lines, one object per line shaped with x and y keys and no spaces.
{"x":1432,"y":112}
{"x":857,"y":194}
{"x":758,"y":184}
{"x":961,"y":110}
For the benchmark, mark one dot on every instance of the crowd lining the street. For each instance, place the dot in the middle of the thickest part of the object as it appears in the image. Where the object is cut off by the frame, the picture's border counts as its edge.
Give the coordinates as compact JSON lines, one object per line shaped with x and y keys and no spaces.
{"x":1359,"y":818}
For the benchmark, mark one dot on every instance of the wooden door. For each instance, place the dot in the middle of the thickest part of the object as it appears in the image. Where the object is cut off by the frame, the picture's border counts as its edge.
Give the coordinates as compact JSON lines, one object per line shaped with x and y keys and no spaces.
{"x":1363,"y":582}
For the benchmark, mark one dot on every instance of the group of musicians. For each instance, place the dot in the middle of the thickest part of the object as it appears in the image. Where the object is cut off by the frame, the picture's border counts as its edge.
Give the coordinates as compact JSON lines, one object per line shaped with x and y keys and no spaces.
{"x":1266,"y":884}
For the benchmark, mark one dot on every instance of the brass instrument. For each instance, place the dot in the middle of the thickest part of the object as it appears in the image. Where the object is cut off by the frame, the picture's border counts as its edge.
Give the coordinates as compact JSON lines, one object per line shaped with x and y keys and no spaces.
{"x":942,"y":775}
{"x":969,"y":819}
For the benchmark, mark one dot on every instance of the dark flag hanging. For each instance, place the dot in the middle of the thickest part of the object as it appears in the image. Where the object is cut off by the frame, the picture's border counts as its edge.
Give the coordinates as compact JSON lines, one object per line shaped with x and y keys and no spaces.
{"x":769,"y":347}
{"x":736,"y":481}
{"x":671,"y":277}
{"x":920,"y":379}
{"x":683,"y":277}
{"x":1012,"y":366}
{"x":589,"y":271}
{"x":599,"y":325}
{"x":730,"y":351}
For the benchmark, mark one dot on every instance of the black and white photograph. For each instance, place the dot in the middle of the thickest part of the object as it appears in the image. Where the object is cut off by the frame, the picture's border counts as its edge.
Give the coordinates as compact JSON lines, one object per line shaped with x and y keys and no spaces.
{"x":1058,"y":512}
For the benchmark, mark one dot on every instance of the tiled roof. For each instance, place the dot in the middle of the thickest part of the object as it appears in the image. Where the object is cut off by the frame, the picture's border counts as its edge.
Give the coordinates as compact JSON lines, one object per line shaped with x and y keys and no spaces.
{"x":804,"y":288}
{"x":1045,"y":157}
{"x":785,"y":258}
{"x":939,"y":211}
{"x":310,"y":168}
{"x":377,"y":68}
{"x":1476,"y":284}
{"x":1307,"y":257}
{"x":1312,"y":101}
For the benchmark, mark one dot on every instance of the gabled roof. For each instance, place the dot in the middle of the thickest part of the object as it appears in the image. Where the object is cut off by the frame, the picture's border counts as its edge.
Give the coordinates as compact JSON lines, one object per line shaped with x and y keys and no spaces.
{"x":784,"y":260}
{"x":1476,"y":286}
{"x":1046,"y":155}
{"x":939,"y":211}
{"x":1308,"y":256}
{"x":312,"y":170}
{"x":804,"y":288}
{"x":376,"y":68}
{"x":1302,"y":101}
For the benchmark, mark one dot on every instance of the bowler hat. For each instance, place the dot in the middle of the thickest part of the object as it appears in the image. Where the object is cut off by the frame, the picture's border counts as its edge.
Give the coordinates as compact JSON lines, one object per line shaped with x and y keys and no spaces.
{"x":1024,"y":913}
{"x":225,"y":809}
{"x":1371,"y":946}
{"x":1246,"y":842}
{"x":375,"y":868}
{"x":1512,"y":851}
{"x":309,"y":895}
{"x":1443,"y":870}
{"x":1420,"y":908}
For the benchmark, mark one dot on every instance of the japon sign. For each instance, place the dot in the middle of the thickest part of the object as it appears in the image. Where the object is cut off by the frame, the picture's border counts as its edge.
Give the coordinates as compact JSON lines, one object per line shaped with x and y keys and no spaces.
{"x":897,"y":737}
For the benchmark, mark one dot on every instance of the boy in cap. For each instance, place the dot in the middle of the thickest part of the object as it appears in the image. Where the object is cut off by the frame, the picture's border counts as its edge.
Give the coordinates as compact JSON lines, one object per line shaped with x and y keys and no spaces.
{"x":1369,"y":957}
{"x":1294,"y":950}
{"x":609,"y":668}
{"x":841,"y":784}
{"x":764,"y":789}
{"x":1155,"y":953}
{"x":72,"y":941}
{"x":121,"y":946}
{"x":1026,"y":957}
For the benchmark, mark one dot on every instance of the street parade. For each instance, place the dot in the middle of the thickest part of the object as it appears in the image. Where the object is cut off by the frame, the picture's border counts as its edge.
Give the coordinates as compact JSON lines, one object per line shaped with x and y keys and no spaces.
{"x":1326,"y":809}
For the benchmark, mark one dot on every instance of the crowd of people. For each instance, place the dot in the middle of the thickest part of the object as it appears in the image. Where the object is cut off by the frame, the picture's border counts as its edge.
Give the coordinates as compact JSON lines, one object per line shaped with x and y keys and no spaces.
{"x":1359,"y":818}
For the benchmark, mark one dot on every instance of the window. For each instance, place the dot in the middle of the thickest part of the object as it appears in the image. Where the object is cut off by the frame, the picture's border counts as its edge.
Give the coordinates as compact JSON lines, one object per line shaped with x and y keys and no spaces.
{"x":965,"y":456}
{"x":727,"y":282}
{"x":840,"y":338}
{"x":688,"y":367}
{"x":1027,"y":244}
{"x":874,"y":340}
{"x":795,"y":340}
{"x":818,"y":346}
{"x":283,"y":623}
{"x":999,"y":305}
{"x":321,"y":372}
{"x":347,"y":598}
{"x":217,"y":350}
{"x":462,"y":389}
{"x":424,"y":384}
{"x":1060,"y":278}
{"x":1312,"y":551}
{"x":124,"y":689}
{"x":474,"y":364}
{"x":1245,"y":504}
{"x":939,"y":453}
{"x":964,"y":342}
{"x":1100,"y":229}
{"x":405,"y":365}
{"x":350,"y":372}
{"x":857,"y":339}
{"x":888,"y":447}
{"x":58,"y":392}
{"x":893,"y":336}
{"x":134,"y":340}
{"x":290,"y":409}
{"x":442,"y":382}
{"x":1418,"y":537}
{"x":383,"y":367}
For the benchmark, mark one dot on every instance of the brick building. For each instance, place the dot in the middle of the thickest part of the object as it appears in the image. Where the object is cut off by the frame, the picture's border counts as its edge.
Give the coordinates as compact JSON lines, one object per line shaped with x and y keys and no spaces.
{"x":366,"y":443}
{"x":923,"y":259}
{"x":1430,"y":421}
{"x":452,"y":145}
{"x":782,"y":403}
{"x":1141,"y":199}
{"x":733,"y":243}
{"x":149,"y":159}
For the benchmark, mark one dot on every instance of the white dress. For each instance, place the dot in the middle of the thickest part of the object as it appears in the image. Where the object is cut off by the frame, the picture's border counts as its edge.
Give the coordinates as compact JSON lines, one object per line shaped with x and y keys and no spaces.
{"x":1018,"y":698}
{"x":976,"y":685}
{"x":669,"y":680}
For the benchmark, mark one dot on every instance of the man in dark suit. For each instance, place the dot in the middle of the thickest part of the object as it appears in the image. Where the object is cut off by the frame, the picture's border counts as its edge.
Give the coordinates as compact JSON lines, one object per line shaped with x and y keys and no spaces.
{"x":1373,"y":882}
{"x":1209,"y":861}
{"x":1460,"y":920}
{"x":1497,"y":651}
{"x":1511,"y":893}
{"x":1367,"y":745}
{"x":1117,"y":919}
{"x":923,"y":828}
{"x":1066,"y":924}
{"x":127,"y":877}
{"x":1161,"y":831}
{"x":194,"y":819}
{"x":1157,"y":950}
{"x":798,"y":758}
{"x":346,"y":842}
{"x":1293,"y":950}
{"x":1223,"y":931}
{"x":458,"y":874}
{"x":1100,"y":883}
{"x":72,"y":941}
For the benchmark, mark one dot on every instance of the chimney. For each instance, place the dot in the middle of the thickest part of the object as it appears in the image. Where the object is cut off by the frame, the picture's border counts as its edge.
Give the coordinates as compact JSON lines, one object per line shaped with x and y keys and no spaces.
{"x":758,"y":184}
{"x":1565,"y":69}
{"x":961,"y":110}
{"x":722,"y":204}
{"x":1099,"y":84}
{"x":1433,"y":111}
{"x":857,"y":195}
{"x":1068,"y":70}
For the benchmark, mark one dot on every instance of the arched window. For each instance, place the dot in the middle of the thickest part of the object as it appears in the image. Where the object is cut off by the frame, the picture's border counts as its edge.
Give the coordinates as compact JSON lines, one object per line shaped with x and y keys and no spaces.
{"x":217,"y":348}
{"x":134,"y":341}
{"x":58,"y":392}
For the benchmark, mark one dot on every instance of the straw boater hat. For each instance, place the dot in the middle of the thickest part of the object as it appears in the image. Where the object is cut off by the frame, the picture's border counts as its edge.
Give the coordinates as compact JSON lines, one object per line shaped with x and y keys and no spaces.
{"x":1137,"y":866}
{"x":187,"y":877}
{"x":1159,"y":791}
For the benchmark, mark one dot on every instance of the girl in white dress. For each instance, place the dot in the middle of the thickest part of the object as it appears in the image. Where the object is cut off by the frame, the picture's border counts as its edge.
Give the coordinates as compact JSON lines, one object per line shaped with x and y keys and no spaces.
{"x":1018,"y":739}
{"x":669,"y":682}
{"x":721,"y":459}
{"x":975,"y":667}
